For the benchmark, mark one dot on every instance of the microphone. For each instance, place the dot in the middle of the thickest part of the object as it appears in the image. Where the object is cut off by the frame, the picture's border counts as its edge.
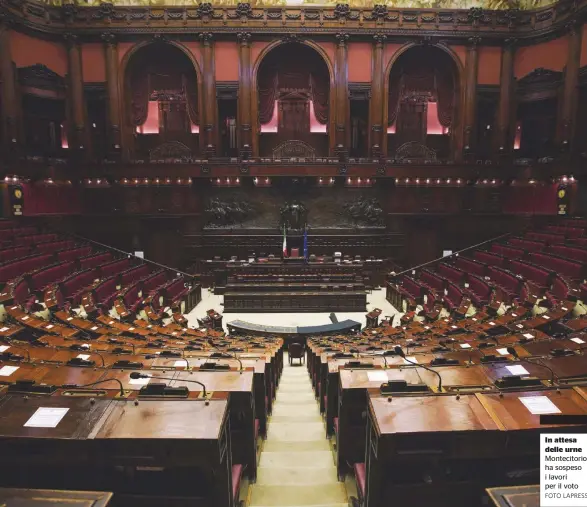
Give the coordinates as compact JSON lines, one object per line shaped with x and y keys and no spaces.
{"x":137,"y":375}
{"x":211,"y":343}
{"x":400,"y":352}
{"x":23,"y":349}
{"x":513,"y":352}
{"x":100,"y":382}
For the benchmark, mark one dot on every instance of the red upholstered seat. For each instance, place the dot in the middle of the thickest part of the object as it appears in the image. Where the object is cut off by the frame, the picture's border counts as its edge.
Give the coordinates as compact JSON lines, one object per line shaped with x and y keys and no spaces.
{"x":237,"y":472}
{"x":360,"y":477}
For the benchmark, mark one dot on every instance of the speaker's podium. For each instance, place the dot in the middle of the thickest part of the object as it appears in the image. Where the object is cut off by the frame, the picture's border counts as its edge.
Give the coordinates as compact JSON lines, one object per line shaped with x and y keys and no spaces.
{"x":294,"y":256}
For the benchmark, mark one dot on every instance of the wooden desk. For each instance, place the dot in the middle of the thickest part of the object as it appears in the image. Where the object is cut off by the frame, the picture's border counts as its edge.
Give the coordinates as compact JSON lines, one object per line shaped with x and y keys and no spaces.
{"x":411,"y":436}
{"x":14,"y":497}
{"x":515,"y":496}
{"x":350,"y":301}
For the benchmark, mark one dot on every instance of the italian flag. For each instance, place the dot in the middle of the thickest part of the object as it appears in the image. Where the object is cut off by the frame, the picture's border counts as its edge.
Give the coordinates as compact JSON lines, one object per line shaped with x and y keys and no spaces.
{"x":284,"y":243}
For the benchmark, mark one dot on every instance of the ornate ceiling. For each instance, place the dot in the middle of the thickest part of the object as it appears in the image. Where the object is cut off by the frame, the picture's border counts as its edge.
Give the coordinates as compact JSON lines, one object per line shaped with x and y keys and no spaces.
{"x":415,"y":4}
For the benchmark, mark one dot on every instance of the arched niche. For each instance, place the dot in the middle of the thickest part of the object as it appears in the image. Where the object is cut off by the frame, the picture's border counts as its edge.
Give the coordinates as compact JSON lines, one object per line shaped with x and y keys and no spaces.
{"x":293,"y":100}
{"x":162,"y":101}
{"x":423,"y":103}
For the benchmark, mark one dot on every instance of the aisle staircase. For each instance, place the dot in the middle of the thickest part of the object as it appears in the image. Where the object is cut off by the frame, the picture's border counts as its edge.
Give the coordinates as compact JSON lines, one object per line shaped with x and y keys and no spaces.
{"x":296,"y":466}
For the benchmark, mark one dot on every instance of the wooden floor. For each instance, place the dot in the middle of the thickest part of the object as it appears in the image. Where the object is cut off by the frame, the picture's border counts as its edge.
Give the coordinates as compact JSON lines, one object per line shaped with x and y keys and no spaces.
{"x":296,"y":466}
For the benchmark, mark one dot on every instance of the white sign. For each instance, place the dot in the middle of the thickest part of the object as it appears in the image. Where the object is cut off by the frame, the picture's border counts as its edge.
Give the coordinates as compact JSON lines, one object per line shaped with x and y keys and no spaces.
{"x":4,"y":329}
{"x":503,"y":352}
{"x":69,"y":318}
{"x":4,"y":348}
{"x":26,"y":317}
{"x":546,"y":317}
{"x":377,"y":376}
{"x":517,"y":370}
{"x":563,"y":463}
{"x":50,"y":326}
{"x":519,"y":326}
{"x":85,"y":357}
{"x":465,"y":346}
{"x":410,"y":359}
{"x":6,"y":371}
{"x":94,"y":328}
{"x":179,"y":362}
{"x":577,"y":340}
{"x":46,"y":417}
{"x":539,"y":405}
{"x":139,"y":381}
{"x":492,"y":323}
{"x":528,"y":335}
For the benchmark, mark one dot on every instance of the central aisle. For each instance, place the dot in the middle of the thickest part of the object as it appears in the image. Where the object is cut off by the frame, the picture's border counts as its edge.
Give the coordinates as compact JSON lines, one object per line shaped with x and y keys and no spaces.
{"x":296,"y":466}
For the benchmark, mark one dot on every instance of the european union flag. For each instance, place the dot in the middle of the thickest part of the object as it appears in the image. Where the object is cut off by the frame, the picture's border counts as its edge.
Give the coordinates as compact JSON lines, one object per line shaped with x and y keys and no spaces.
{"x":306,"y":242}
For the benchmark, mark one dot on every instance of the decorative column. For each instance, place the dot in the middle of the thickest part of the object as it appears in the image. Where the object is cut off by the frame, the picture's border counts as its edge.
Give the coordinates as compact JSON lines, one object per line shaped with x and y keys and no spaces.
{"x":471,"y":65}
{"x":503,"y":140}
{"x":245,"y":119}
{"x":341,"y":97}
{"x":10,"y":103}
{"x":376,"y":129}
{"x":566,"y":122}
{"x":79,"y":137}
{"x":111,"y":51}
{"x":209,"y":100}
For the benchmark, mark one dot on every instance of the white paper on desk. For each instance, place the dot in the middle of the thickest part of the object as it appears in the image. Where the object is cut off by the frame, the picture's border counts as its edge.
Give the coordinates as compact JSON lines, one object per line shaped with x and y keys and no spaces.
{"x":46,"y":417}
{"x":6,"y":371}
{"x":4,"y":329}
{"x":26,"y":317}
{"x":517,"y":369}
{"x":492,"y":323}
{"x":85,"y":357}
{"x":49,"y":326}
{"x":465,"y":345}
{"x":474,"y":319}
{"x":131,"y":328}
{"x":503,"y":352}
{"x":69,"y":318}
{"x":179,"y":362}
{"x":539,"y":405}
{"x":577,"y":340}
{"x":111,"y":322}
{"x":4,"y":348}
{"x":174,"y":333}
{"x":139,"y":381}
{"x":377,"y":376}
{"x":94,"y":328}
{"x":546,"y":317}
{"x":514,"y":314}
{"x":519,"y":326}
{"x":426,"y":327}
{"x":528,"y":335}
{"x":149,"y":326}
{"x":564,"y":308}
{"x":407,"y":359}
{"x":454,"y":327}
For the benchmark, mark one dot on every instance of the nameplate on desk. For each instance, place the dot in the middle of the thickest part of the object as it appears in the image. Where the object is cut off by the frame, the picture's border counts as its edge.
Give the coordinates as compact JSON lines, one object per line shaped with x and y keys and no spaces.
{"x":564,"y":308}
{"x":517,"y":370}
{"x":546,"y":317}
{"x":514,"y":314}
{"x":503,"y":352}
{"x":139,"y":381}
{"x":492,"y":323}
{"x":474,"y":319}
{"x":537,"y":405}
{"x":46,"y":417}
{"x":69,"y":318}
{"x":4,"y":348}
{"x":131,"y":328}
{"x":84,"y":357}
{"x":93,"y":328}
{"x":179,"y":363}
{"x":50,"y":326}
{"x":6,"y":371}
{"x":465,"y":346}
{"x":528,"y":336}
{"x":26,"y":317}
{"x":377,"y":376}
{"x":426,"y":327}
{"x":576,"y":340}
{"x":111,"y":322}
{"x":4,"y":329}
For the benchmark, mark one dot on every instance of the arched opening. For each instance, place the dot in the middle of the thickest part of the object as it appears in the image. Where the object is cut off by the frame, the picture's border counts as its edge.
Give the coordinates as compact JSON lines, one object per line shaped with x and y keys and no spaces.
{"x":293,"y":99}
{"x":162,"y":102}
{"x":422,"y":104}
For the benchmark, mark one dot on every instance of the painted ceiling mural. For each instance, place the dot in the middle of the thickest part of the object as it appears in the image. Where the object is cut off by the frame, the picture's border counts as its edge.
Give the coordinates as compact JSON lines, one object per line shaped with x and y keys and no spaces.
{"x":391,"y":4}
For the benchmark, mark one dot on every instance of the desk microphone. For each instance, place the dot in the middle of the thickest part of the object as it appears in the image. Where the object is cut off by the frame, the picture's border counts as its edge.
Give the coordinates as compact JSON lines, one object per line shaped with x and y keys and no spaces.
{"x":78,"y":361}
{"x":136,"y":375}
{"x":9,"y":355}
{"x":211,"y":343}
{"x":513,"y":352}
{"x":401,"y":353}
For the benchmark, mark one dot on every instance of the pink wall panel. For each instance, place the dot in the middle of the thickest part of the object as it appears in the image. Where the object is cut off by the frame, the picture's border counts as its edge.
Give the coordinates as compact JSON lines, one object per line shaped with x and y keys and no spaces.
{"x":28,"y":51}
{"x":226,"y":58}
{"x":359,"y":60}
{"x":550,"y":55}
{"x":93,"y":63}
{"x":489,"y":65}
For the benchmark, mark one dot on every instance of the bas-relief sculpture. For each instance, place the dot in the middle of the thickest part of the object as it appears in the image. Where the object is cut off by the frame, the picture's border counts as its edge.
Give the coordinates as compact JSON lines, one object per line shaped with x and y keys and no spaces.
{"x":391,"y":4}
